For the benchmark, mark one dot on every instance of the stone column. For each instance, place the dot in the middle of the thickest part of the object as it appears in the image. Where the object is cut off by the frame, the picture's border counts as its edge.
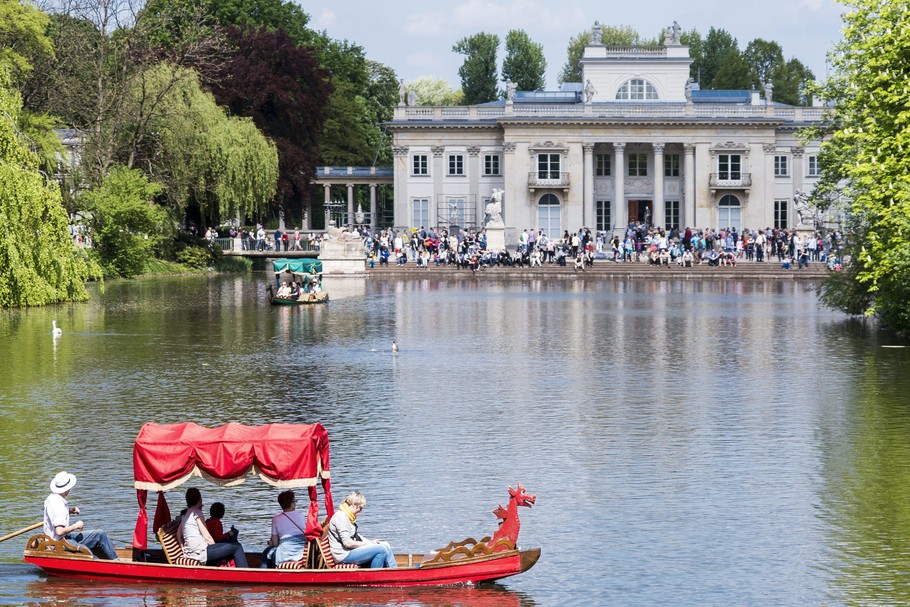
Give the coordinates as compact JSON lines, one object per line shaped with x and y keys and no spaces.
{"x":372,"y":206}
{"x":587,"y":202}
{"x":659,"y":218}
{"x":689,"y":203}
{"x":438,"y":172}
{"x":328,"y":199}
{"x":350,"y":217}
{"x":619,"y":186}
{"x":401,"y":171}
{"x":474,"y":182}
{"x":510,"y":198}
{"x":798,"y":171}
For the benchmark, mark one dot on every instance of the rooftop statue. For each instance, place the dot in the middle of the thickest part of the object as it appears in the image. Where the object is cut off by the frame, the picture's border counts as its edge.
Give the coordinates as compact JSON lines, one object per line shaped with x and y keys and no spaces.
{"x":597,"y":34}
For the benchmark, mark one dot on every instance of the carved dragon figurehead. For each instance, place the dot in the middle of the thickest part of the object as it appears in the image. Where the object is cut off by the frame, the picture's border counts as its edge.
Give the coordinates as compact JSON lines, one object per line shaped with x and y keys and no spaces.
{"x":506,"y":537}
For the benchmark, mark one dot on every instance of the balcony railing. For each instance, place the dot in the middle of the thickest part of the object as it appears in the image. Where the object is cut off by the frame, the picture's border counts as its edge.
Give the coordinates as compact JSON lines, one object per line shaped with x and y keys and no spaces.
{"x":731,"y":180}
{"x":548,"y":179}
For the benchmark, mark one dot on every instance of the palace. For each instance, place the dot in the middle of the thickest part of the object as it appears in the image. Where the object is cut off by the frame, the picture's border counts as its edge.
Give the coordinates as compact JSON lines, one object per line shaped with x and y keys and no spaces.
{"x":636,"y":141}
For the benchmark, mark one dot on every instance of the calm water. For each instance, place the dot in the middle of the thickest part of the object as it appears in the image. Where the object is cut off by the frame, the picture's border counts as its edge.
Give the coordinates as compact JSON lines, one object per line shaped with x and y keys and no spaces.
{"x":689,"y":443}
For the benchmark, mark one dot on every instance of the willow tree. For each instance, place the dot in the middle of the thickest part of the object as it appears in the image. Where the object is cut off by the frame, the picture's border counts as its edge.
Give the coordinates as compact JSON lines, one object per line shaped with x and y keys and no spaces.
{"x":38,"y":262}
{"x":869,"y":130}
{"x":203,"y":157}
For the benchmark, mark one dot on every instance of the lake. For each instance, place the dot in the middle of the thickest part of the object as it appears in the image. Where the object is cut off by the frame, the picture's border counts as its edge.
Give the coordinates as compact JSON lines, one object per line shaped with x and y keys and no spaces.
{"x":689,"y":442}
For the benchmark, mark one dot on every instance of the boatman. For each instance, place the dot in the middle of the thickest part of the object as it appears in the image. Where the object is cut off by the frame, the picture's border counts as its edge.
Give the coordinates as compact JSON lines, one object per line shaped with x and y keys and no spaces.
{"x":57,"y":513}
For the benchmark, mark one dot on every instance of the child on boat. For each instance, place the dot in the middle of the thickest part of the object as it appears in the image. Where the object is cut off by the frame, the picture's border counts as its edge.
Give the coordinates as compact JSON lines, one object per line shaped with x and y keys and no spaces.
{"x":213,"y":524}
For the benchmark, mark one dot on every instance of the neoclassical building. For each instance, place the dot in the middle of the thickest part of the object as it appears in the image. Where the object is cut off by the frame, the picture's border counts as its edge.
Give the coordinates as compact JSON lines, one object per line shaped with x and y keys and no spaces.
{"x":636,"y":141}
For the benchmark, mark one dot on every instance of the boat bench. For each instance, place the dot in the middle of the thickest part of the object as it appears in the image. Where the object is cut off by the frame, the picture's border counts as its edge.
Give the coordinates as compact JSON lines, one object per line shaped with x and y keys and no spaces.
{"x":328,"y":560}
{"x":172,"y":549}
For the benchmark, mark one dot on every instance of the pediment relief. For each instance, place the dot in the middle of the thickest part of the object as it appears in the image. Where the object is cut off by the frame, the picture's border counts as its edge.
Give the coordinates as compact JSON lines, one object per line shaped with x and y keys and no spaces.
{"x":549,"y":147}
{"x":730,"y":146}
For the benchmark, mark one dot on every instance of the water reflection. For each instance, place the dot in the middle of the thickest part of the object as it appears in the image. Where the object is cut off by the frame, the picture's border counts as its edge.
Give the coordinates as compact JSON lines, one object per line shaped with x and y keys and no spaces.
{"x":723,"y":442}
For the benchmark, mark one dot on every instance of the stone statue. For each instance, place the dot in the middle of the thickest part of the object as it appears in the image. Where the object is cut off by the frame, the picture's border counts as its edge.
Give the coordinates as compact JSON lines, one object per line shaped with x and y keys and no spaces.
{"x":590,"y":91}
{"x":332,"y":232}
{"x":689,"y":83}
{"x":597,"y":34}
{"x":494,"y":208}
{"x":402,"y":92}
{"x":511,"y":87}
{"x":769,"y":91}
{"x":804,"y":212}
{"x":359,"y":216}
{"x":673,"y":35}
{"x":412,"y":97}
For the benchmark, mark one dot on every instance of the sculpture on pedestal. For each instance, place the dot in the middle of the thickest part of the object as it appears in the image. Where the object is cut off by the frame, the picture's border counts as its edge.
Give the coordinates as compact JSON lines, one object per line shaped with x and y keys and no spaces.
{"x":494,"y":208}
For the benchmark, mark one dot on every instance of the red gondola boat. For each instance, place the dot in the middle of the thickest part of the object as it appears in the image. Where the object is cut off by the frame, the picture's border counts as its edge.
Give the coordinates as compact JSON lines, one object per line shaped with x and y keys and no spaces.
{"x":285,"y":456}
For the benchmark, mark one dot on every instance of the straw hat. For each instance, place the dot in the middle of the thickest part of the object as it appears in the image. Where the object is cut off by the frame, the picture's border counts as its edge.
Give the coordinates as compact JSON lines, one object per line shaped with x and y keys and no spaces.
{"x":63,"y":482}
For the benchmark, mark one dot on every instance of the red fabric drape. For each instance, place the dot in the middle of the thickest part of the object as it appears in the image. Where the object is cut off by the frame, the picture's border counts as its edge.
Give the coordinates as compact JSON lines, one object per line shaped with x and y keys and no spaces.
{"x":140,"y":533}
{"x":162,"y":513}
{"x":286,"y":455}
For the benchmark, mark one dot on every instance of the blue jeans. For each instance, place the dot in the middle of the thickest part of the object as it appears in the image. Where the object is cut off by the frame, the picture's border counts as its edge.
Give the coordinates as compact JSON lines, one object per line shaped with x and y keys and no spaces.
{"x":224,"y":551}
{"x":377,"y":555}
{"x":94,"y":539}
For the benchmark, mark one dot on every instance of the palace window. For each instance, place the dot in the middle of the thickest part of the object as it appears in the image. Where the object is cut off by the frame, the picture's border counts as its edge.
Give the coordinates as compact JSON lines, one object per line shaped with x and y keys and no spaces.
{"x":812,"y":166}
{"x":671,"y":165}
{"x":548,"y":166}
{"x":420,"y":212}
{"x":638,"y":165}
{"x":637,"y":89}
{"x":603,"y":215}
{"x":548,"y":215}
{"x":602,"y":165}
{"x":780,"y":213}
{"x":729,"y":167}
{"x":491,"y":165}
{"x":420,"y":165}
{"x":781,"y":166}
{"x":671,"y":214}
{"x":456,"y":164}
{"x":729,"y":212}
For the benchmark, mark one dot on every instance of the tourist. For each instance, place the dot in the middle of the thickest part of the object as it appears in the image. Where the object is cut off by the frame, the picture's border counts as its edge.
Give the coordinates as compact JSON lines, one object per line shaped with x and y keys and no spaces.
{"x":288,"y":530}
{"x":57,"y":513}
{"x":213,"y":524}
{"x":346,"y":543}
{"x":196,"y":540}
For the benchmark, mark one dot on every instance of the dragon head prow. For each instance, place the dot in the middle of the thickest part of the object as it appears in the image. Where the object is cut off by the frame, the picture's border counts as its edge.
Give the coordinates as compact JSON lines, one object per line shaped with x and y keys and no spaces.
{"x":522,"y":497}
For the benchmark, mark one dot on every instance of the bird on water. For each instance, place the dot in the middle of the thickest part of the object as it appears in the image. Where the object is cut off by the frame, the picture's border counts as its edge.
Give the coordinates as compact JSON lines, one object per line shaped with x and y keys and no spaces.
{"x":56,"y":330}
{"x":394,"y":346}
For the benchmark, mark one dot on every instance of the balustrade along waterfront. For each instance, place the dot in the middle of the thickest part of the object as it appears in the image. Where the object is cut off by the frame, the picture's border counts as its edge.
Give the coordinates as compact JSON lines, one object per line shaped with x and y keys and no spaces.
{"x":690,"y":442}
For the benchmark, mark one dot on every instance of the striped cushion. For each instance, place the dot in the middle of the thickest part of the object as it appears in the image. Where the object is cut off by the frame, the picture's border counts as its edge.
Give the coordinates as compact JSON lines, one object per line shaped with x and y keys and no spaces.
{"x":172,"y":549}
{"x":301,"y":564}
{"x":329,"y":559}
{"x":185,"y":560}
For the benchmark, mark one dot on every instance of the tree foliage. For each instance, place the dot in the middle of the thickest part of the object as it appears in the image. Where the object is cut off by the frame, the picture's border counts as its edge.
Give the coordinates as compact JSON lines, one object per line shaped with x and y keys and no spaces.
{"x":38,"y":262}
{"x":126,"y":223}
{"x":23,"y":38}
{"x":524,"y":64}
{"x":435,"y":91}
{"x":221,"y":164}
{"x":284,"y":90}
{"x":478,"y":71}
{"x":866,"y":159}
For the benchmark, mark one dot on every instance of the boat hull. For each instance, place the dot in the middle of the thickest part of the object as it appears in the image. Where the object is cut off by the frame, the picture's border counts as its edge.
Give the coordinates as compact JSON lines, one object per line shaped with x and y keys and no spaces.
{"x":305,"y":299}
{"x":465,"y":571}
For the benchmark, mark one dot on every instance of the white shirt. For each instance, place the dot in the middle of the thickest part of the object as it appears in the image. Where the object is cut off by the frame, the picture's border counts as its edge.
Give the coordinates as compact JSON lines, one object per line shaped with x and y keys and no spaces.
{"x":284,"y":524}
{"x":194,"y":543}
{"x":56,"y":513}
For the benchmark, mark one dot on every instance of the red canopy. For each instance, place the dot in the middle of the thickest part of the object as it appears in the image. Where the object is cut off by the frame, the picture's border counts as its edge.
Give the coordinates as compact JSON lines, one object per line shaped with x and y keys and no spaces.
{"x":283,"y":455}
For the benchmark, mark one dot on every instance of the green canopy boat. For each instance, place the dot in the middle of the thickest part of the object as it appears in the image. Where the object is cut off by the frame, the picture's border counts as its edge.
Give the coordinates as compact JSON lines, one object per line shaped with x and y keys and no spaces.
{"x":306,"y":273}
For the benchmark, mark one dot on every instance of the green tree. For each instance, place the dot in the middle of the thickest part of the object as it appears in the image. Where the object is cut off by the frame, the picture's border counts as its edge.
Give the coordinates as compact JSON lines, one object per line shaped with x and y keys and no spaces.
{"x":765,"y":60}
{"x":718,"y":47}
{"x":23,"y":38}
{"x":435,"y":91}
{"x":732,"y":73}
{"x":869,"y":128}
{"x":478,"y":72}
{"x":126,"y":223}
{"x":525,"y":64}
{"x":793,"y":82}
{"x":612,"y":35}
{"x":38,"y":262}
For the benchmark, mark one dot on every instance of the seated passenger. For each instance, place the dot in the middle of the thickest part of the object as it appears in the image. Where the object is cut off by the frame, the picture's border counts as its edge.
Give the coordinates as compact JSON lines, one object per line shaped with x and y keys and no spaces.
{"x":213,"y":524}
{"x":295,"y":291}
{"x":288,"y":530}
{"x":713,"y":258}
{"x":347,"y":545}
{"x":196,"y":540}
{"x":284,"y":291}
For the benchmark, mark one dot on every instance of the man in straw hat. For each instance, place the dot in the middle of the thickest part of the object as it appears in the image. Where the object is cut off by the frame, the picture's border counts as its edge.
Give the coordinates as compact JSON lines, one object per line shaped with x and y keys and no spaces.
{"x":57,"y":513}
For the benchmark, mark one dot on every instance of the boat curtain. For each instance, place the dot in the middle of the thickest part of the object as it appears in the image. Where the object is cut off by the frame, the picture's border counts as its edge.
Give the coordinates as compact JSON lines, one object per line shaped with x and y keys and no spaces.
{"x":283,"y":455}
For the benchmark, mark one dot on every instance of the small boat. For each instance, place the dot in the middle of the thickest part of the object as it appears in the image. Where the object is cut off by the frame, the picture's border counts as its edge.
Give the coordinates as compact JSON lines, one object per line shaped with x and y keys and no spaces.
{"x":307,"y":273}
{"x":286,"y":456}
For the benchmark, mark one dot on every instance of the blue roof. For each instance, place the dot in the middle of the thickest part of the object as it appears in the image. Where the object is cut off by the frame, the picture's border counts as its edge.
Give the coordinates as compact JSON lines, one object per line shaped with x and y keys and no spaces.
{"x":700,"y":96}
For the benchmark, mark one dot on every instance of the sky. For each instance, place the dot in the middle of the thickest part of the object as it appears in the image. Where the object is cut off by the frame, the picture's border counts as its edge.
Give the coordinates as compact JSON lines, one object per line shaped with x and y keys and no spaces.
{"x":415,"y":37}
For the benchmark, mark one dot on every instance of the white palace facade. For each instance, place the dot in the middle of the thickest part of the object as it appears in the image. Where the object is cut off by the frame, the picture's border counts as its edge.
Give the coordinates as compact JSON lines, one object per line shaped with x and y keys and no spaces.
{"x":635,"y":142}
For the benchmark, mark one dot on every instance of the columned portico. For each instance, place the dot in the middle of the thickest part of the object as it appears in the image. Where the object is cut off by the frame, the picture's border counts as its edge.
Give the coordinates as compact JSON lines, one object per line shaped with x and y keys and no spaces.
{"x":587,"y":209}
{"x":659,"y":218}
{"x":619,"y":186}
{"x":689,"y":168}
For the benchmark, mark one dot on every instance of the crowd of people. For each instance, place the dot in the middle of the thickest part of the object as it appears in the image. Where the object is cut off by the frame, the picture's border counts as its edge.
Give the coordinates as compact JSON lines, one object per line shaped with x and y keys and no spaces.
{"x":639,"y":243}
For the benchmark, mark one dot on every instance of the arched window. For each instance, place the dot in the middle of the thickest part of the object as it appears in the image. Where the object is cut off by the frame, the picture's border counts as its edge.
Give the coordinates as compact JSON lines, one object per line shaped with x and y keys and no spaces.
{"x":729,"y":212}
{"x":637,"y":89}
{"x":548,"y":214}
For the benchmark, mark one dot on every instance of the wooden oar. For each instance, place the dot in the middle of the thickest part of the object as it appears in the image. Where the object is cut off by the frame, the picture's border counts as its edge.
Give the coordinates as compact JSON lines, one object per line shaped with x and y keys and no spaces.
{"x":21,"y":531}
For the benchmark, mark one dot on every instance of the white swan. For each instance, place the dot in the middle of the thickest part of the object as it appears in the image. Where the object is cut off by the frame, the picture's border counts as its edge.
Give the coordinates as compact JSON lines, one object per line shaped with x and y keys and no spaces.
{"x":56,"y":330}
{"x":394,"y":347}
